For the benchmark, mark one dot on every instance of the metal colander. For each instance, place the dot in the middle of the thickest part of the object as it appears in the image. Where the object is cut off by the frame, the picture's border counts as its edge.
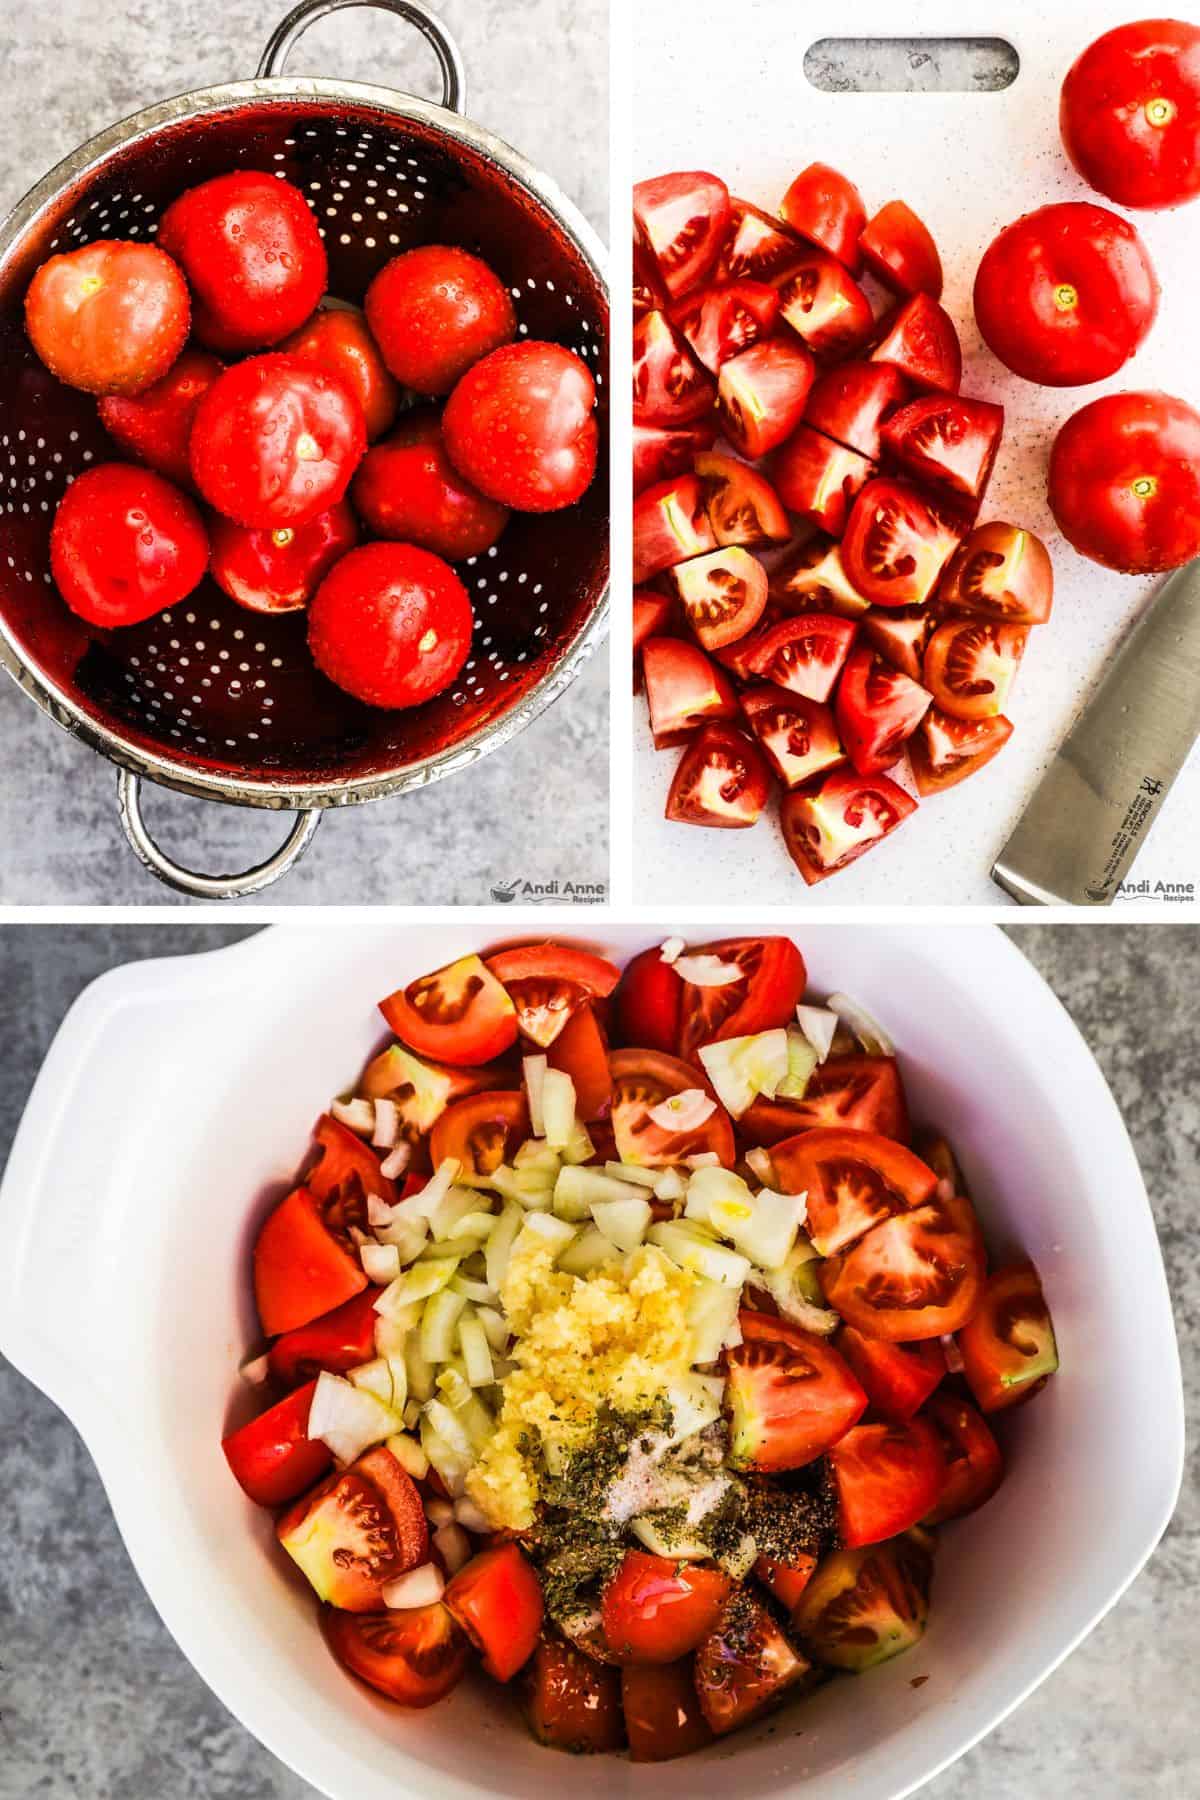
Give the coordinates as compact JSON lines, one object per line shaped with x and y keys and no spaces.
{"x":207,"y":697}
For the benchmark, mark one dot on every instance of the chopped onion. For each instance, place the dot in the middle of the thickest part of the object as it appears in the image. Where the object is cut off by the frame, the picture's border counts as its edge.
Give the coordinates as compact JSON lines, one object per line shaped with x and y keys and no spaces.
{"x":629,"y":1172}
{"x":378,"y":1211}
{"x":439,"y":1511}
{"x":869,"y":1032}
{"x":707,"y":971}
{"x":672,"y":949}
{"x":454,"y":1545}
{"x":534,"y":1069}
{"x":703,"y":1159}
{"x":558,"y":1104}
{"x":348,"y":1419}
{"x":355,"y":1115}
{"x":423,"y":1205}
{"x":818,"y":1025}
{"x":396,"y":1163}
{"x":406,"y":1450}
{"x":420,"y":1587}
{"x":381,"y":1262}
{"x":759,"y":1160}
{"x":256,"y":1370}
{"x":472,"y":1516}
{"x":387,"y":1124}
{"x":953,"y":1355}
{"x":359,"y":1236}
{"x":684,"y":1112}
{"x":669,"y":1185}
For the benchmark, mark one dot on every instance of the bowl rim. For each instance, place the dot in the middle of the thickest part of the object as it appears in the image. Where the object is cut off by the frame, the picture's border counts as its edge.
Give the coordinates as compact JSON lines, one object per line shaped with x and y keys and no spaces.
{"x":150,"y":987}
{"x":275,"y":792}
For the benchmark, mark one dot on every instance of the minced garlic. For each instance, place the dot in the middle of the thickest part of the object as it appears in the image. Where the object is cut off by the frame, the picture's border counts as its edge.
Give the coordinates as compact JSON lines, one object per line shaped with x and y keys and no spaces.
{"x":610,"y":1342}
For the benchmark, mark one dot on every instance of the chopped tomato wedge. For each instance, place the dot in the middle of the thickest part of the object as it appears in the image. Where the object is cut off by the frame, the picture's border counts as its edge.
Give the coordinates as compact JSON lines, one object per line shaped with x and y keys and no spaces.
{"x":887,"y":1478}
{"x":919,"y":339}
{"x":865,"y":1606}
{"x":789,"y":1393}
{"x":970,"y":665}
{"x":878,"y":709}
{"x":798,"y":737}
{"x":974,"y":1465}
{"x":766,"y":994}
{"x":826,"y":207}
{"x":834,"y":824}
{"x":649,"y":294}
{"x":300,"y":1269}
{"x":804,"y":654}
{"x":573,"y":1702}
{"x":853,"y":1179}
{"x":361,"y":1528}
{"x":900,"y":252}
{"x":347,"y":1173}
{"x":414,"y":1657}
{"x":761,"y":395}
{"x":480,"y":1132}
{"x":945,"y":750}
{"x":743,"y":507}
{"x":898,"y":1378}
{"x":723,"y":594}
{"x":896,"y":545}
{"x":758,"y":247}
{"x":825,"y":306}
{"x":917,"y":1275}
{"x":813,"y":578}
{"x":497,"y":1599}
{"x":851,"y":402}
{"x":662,"y":1714}
{"x":722,"y":781}
{"x":786,"y":1581}
{"x":642,"y":1080}
{"x":273,"y":1458}
{"x":1008,"y":1346}
{"x":680,"y":220}
{"x":848,"y":1093}
{"x":460,"y":1014}
{"x":725,"y":319}
{"x":670,"y":523}
{"x":684,"y":690}
{"x":948,"y":440}
{"x":818,"y":478}
{"x":653,"y":616}
{"x":581,"y":1052}
{"x":1001,"y":572}
{"x":746,"y":1665}
{"x":548,"y":982}
{"x":655,"y":1610}
{"x":661,"y":453}
{"x":670,"y":387}
{"x":648,"y":1002}
{"x":340,"y":1340}
{"x":900,"y":637}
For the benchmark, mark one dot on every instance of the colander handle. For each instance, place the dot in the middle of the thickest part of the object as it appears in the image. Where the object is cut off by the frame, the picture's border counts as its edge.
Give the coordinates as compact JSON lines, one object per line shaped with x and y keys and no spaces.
{"x":207,"y":887}
{"x":288,"y":32}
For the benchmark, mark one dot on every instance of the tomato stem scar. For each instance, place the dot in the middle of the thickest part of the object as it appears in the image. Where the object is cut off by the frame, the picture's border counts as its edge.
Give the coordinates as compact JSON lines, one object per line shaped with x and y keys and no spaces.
{"x":1160,"y":111}
{"x":307,"y":448}
{"x":1145,"y":487}
{"x":283,"y":537}
{"x":1065,"y":296}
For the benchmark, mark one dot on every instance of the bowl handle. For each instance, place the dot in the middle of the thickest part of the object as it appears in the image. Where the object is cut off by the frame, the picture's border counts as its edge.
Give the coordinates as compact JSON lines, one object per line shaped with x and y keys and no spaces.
{"x":207,"y":887}
{"x":290,"y":30}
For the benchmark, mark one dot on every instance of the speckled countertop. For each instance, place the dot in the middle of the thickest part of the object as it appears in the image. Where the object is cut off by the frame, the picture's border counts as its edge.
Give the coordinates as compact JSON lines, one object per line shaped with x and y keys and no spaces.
{"x":96,"y":1703}
{"x":536,"y":810}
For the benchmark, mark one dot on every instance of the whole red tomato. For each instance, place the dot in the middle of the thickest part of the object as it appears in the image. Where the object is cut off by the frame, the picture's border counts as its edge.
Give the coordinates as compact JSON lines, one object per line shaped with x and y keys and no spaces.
{"x":1066,"y":294}
{"x":251,"y":251}
{"x":337,"y":338}
{"x":1130,"y":113}
{"x":520,"y":426}
{"x":275,"y":441}
{"x":156,"y":425}
{"x":110,"y":318}
{"x":125,"y":544}
{"x":408,"y":488}
{"x":390,"y":624}
{"x":280,"y":570}
{"x":434,"y":312}
{"x":1125,"y":482}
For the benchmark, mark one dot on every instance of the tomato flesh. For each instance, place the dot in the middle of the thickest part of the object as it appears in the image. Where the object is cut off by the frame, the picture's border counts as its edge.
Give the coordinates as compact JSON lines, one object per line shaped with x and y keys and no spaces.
{"x":414,"y":1657}
{"x":722,"y":781}
{"x":974,"y":1465}
{"x":887,"y":1478}
{"x":725,"y":319}
{"x":338,"y":1341}
{"x":920,"y":341}
{"x":828,"y":827}
{"x":548,"y":982}
{"x":459,"y":1015}
{"x":791,"y":1396}
{"x":852,"y":401}
{"x":900,"y":638}
{"x":680,"y":221}
{"x":497,"y":1600}
{"x":825,"y":206}
{"x":772,"y":983}
{"x":818,"y":479}
{"x":898,"y":1378}
{"x":853,"y":1179}
{"x":865,"y":1606}
{"x":945,"y":750}
{"x":480,"y":1132}
{"x":684,"y":690}
{"x":670,"y":524}
{"x":1001,"y":572}
{"x":825,"y":306}
{"x":361,"y":1528}
{"x":844,"y":1093}
{"x":916,"y":1275}
{"x":761,"y":394}
{"x":642,"y":1080}
{"x":900,"y":252}
{"x":746,"y":1665}
{"x":273,"y":1458}
{"x":648,"y":1002}
{"x":970,"y":665}
{"x":670,"y":387}
{"x":896,"y":545}
{"x":813,"y":578}
{"x":662,"y":1714}
{"x":878,"y":709}
{"x":723,"y":594}
{"x":660,"y":454}
{"x":743,"y":508}
{"x":573,"y":1702}
{"x":805,"y":655}
{"x":758,"y":247}
{"x":786,"y":1581}
{"x":301,"y":1271}
{"x":581,"y":1052}
{"x":1124,"y":483}
{"x":946,"y":439}
{"x":798,"y":737}
{"x":1008,"y":1346}
{"x":656,"y":1611}
{"x":1130,"y":113}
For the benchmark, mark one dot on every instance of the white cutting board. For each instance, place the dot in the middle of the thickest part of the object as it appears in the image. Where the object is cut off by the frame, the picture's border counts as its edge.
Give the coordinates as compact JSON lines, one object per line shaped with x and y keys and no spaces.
{"x":721,"y":86}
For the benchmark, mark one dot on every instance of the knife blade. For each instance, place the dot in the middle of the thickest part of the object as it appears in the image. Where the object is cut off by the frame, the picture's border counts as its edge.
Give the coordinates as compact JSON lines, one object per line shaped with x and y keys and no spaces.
{"x":1093,"y":808}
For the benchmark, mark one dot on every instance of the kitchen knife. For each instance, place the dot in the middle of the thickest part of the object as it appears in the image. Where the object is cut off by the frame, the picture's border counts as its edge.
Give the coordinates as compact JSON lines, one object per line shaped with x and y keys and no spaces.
{"x":1093,"y":808}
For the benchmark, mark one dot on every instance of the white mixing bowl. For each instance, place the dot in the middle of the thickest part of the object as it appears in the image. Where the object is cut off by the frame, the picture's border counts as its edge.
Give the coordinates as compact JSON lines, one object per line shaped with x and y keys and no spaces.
{"x":174,"y":1106}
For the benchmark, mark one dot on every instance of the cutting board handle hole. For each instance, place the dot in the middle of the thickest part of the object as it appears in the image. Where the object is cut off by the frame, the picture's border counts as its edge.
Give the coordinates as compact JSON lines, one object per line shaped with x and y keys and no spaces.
{"x":928,"y":65}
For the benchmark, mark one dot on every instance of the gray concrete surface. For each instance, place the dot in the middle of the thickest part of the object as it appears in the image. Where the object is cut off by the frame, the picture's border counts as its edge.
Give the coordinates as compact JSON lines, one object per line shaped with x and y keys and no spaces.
{"x":538,"y":809}
{"x":97,"y":1704}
